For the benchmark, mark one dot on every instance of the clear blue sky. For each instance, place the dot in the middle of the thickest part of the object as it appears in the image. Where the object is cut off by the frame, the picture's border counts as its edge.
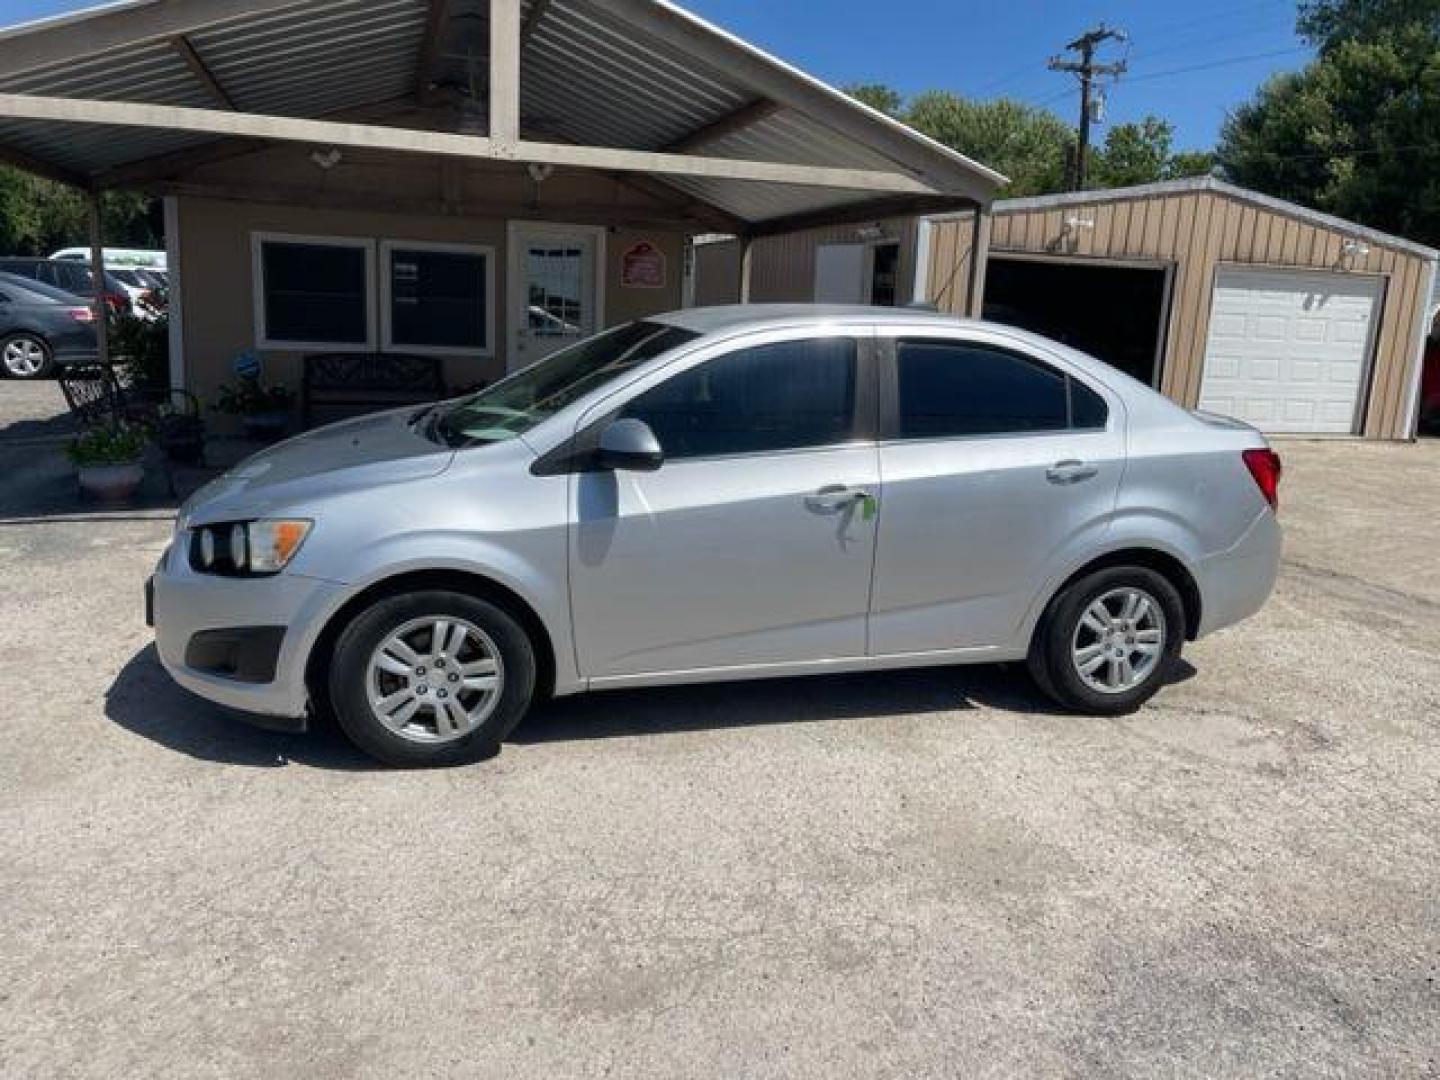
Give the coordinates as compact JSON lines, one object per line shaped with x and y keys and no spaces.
{"x":987,"y":48}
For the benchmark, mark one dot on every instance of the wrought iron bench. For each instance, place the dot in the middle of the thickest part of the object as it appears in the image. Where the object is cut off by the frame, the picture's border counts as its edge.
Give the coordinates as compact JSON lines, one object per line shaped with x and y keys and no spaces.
{"x":339,"y":386}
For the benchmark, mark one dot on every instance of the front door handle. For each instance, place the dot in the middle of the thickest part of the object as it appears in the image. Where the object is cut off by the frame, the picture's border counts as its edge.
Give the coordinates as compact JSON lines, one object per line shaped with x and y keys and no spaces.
{"x":836,"y":497}
{"x":1070,"y":472}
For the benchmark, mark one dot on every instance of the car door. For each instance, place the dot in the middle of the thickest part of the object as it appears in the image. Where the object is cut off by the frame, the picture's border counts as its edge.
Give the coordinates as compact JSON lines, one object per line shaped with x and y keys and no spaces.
{"x":996,"y":461}
{"x":753,"y":542}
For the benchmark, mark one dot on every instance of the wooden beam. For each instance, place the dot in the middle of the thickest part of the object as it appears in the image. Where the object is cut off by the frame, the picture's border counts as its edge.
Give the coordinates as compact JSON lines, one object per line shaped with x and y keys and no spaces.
{"x":182,"y":45}
{"x":138,"y":174}
{"x":742,"y":118}
{"x":533,"y":19}
{"x":604,"y":214}
{"x":504,"y":103}
{"x":859,"y":213}
{"x":445,"y":144}
{"x":431,"y":47}
{"x":9,"y":155}
{"x":87,"y":33}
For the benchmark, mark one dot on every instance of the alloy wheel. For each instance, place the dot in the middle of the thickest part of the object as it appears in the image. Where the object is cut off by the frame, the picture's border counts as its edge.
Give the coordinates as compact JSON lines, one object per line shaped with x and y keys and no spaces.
{"x":1119,"y":640}
{"x":435,"y":679}
{"x":24,"y":357}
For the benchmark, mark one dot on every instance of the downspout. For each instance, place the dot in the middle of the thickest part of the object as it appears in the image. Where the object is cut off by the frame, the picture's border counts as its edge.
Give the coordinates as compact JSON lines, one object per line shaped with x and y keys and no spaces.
{"x":747,"y":246}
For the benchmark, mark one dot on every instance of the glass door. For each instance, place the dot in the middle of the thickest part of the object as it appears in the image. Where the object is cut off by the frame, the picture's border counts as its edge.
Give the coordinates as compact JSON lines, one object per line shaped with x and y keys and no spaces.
{"x":553,"y":293}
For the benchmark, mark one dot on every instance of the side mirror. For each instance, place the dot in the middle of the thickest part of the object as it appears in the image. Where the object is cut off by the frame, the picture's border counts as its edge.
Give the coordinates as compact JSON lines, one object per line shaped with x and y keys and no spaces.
{"x":629,"y":445}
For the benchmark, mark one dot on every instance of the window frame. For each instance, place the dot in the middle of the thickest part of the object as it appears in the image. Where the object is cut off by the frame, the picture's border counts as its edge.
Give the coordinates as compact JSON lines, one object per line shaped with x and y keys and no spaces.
{"x":888,"y":350}
{"x":864,"y":423}
{"x":258,"y":240}
{"x":387,"y":249}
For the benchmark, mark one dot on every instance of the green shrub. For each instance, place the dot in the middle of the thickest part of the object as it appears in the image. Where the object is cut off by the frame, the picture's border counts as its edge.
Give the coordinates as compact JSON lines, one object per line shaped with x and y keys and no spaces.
{"x":108,"y":446}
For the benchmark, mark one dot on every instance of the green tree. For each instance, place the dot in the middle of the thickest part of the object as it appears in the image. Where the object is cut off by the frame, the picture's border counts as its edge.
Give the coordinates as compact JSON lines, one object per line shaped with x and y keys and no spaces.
{"x":1025,"y":143}
{"x":878,"y":96}
{"x":1330,"y":23}
{"x":1357,"y":132}
{"x":38,"y":216}
{"x":1133,"y":154}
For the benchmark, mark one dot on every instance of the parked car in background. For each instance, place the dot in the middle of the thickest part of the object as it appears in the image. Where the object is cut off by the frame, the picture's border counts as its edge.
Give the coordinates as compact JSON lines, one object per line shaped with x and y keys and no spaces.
{"x":716,"y":494}
{"x":128,"y":258}
{"x":147,"y":294}
{"x":72,"y":277}
{"x":42,"y":328}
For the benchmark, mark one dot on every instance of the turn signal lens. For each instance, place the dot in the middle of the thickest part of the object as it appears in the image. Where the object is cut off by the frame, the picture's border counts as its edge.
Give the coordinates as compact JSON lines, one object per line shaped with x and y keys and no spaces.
{"x":274,"y":543}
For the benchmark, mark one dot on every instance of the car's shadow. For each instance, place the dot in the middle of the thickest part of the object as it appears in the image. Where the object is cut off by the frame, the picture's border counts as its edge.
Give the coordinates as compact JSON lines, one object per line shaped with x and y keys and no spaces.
{"x":143,"y":699}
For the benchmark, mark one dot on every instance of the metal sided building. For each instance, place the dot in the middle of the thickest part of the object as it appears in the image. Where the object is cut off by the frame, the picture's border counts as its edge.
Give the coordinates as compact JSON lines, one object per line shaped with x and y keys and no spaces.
{"x":1222,"y":298}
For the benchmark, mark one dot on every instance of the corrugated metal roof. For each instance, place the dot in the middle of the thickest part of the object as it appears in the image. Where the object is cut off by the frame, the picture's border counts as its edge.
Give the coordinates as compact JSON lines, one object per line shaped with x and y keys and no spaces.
{"x":592,"y":74}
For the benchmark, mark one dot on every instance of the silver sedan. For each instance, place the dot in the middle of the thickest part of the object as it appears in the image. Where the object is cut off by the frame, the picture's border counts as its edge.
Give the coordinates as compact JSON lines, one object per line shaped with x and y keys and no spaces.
{"x":724,"y":493}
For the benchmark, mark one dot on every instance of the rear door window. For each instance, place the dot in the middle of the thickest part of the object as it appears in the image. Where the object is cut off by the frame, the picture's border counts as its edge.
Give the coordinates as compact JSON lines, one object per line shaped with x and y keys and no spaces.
{"x":954,"y":389}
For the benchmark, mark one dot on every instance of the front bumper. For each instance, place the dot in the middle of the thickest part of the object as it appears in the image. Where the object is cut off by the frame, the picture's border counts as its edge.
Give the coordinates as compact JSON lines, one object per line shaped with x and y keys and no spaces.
{"x":182,"y":604}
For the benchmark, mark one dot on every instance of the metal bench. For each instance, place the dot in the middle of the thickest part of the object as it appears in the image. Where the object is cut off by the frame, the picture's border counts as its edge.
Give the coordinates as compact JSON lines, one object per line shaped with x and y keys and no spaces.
{"x":339,"y":386}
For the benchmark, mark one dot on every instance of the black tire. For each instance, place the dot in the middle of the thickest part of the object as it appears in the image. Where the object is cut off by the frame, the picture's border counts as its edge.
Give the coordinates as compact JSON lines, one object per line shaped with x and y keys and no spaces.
{"x":350,"y":667}
{"x":47,"y":356}
{"x":1051,"y":659}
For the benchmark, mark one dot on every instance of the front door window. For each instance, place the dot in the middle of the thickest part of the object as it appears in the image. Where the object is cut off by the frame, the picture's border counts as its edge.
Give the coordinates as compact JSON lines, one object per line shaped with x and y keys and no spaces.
{"x":555,"y":294}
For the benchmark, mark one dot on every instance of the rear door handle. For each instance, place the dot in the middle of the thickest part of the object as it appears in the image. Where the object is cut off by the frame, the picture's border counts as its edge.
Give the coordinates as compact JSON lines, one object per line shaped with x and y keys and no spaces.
{"x":1070,"y":472}
{"x":835,"y":497}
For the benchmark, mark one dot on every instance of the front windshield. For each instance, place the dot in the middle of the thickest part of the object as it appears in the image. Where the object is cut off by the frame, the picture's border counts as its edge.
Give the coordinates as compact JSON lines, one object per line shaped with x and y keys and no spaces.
{"x":525,"y":399}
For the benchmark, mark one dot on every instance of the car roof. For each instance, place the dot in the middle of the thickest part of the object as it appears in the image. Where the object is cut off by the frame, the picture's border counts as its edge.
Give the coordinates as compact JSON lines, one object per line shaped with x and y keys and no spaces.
{"x":730,"y":317}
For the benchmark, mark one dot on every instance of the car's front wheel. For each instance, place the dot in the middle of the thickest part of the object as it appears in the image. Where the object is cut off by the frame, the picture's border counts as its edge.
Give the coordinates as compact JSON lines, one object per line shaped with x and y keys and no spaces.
{"x":1108,"y":641}
{"x":431,"y":678}
{"x":25,"y":356}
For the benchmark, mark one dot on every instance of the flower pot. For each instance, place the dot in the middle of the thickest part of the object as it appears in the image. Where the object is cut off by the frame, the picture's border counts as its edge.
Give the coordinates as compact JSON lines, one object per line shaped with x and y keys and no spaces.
{"x":111,"y":483}
{"x":265,"y":427}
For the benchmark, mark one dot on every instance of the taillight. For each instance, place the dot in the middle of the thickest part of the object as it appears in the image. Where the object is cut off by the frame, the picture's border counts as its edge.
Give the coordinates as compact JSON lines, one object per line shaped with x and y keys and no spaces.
{"x":82,"y":314}
{"x":1265,"y":467}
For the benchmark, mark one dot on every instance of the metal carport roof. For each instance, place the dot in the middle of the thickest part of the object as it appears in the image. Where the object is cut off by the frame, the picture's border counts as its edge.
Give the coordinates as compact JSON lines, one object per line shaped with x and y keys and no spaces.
{"x":631,"y":86}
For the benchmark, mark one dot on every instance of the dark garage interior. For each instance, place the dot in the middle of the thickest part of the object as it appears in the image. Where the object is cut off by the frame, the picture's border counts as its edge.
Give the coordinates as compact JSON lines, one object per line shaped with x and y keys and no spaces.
{"x":1111,"y":312}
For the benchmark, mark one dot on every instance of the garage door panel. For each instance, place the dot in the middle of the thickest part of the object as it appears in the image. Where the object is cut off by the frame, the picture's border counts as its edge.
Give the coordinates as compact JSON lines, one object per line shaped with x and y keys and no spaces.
{"x":1288,"y":350}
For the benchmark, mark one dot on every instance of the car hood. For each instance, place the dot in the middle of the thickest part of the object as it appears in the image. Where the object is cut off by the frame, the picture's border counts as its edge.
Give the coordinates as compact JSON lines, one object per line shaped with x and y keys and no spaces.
{"x":369,"y":452}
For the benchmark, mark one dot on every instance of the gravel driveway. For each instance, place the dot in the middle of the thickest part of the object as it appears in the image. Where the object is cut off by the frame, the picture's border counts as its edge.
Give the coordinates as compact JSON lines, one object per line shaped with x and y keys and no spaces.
{"x":892,"y":875}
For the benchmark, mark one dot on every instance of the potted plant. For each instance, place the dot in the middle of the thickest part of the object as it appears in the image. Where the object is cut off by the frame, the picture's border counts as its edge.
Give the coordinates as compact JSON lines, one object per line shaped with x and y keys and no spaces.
{"x":109,"y":462}
{"x":264,"y":411}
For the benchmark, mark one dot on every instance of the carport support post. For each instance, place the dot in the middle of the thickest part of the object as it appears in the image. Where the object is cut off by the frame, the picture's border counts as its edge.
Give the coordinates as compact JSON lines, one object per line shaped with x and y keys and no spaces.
{"x":97,"y":271}
{"x":747,"y":247}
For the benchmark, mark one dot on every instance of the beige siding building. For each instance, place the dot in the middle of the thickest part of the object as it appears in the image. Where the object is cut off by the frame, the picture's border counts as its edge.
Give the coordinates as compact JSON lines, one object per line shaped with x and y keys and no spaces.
{"x":1222,"y":298}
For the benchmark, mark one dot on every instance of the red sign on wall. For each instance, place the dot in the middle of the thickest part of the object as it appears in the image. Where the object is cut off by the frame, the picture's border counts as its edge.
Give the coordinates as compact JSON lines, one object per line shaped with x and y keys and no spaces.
{"x":643,"y":267}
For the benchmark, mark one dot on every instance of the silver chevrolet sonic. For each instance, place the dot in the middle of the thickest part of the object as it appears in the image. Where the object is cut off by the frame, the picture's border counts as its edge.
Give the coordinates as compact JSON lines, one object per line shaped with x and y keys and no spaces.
{"x":722,"y":493}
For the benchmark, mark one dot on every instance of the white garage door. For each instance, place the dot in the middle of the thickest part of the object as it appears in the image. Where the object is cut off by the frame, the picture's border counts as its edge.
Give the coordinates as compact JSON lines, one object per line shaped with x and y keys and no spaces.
{"x":1288,"y":350}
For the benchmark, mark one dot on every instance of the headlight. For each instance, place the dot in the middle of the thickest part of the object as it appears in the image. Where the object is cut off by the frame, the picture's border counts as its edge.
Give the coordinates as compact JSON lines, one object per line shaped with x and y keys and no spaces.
{"x":245,"y":548}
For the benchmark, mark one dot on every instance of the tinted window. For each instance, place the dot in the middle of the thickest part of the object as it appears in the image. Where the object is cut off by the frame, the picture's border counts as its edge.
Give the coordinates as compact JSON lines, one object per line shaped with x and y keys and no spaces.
{"x":23,"y":267}
{"x":75,"y":277}
{"x":1087,"y":408}
{"x":954,"y":388}
{"x":784,"y":396}
{"x":439,"y":298}
{"x":315,"y":293}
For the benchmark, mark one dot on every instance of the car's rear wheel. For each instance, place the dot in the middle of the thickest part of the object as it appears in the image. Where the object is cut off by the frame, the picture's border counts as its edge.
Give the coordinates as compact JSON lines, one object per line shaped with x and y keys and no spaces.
{"x":431,"y":678}
{"x":25,"y":356}
{"x":1108,"y":641}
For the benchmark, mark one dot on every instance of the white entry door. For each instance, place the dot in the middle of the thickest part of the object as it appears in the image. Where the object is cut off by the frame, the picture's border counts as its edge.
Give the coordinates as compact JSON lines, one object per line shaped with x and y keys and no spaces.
{"x":554,"y":289}
{"x":1288,"y":351}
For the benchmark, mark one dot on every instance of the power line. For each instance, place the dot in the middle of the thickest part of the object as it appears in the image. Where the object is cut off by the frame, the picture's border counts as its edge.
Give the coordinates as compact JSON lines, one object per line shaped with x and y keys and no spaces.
{"x":1228,"y":62}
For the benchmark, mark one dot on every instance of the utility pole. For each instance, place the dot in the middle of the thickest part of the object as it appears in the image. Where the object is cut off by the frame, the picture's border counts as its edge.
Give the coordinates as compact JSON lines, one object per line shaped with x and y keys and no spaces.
{"x":1087,"y":69}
